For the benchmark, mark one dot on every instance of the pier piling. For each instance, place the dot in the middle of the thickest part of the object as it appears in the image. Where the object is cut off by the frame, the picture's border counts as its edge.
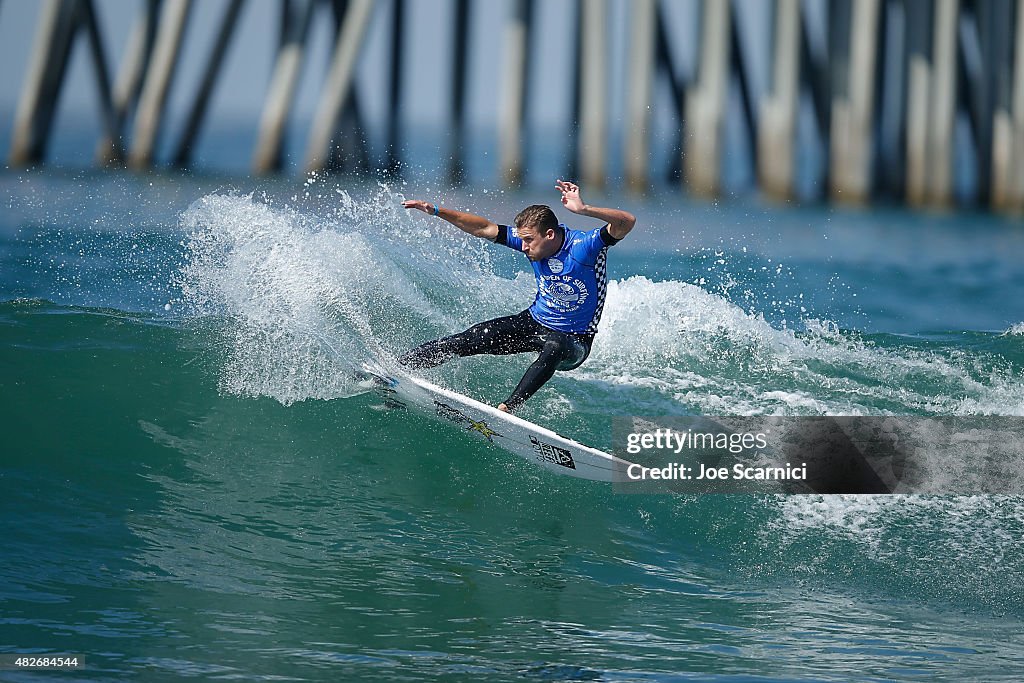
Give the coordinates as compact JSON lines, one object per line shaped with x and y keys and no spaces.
{"x":339,"y":83}
{"x":640,"y":92}
{"x":59,"y":24}
{"x":459,"y":80}
{"x":705,"y":103}
{"x":128,"y":85}
{"x":778,"y":109}
{"x":1008,"y":128}
{"x":853,"y":110}
{"x":397,"y":70}
{"x":942,"y":107}
{"x":884,"y":80}
{"x":593,"y":98}
{"x":171,"y":30}
{"x":512,"y":114}
{"x":213,"y":65}
{"x":283,"y":83}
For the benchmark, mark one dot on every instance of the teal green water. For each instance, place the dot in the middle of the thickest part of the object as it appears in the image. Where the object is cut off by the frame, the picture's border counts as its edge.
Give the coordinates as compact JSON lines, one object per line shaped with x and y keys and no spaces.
{"x":192,"y":487}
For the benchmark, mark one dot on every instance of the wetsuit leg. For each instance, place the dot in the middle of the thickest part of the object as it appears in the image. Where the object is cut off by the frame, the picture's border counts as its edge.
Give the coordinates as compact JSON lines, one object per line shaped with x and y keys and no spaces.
{"x":561,"y":351}
{"x":501,"y":336}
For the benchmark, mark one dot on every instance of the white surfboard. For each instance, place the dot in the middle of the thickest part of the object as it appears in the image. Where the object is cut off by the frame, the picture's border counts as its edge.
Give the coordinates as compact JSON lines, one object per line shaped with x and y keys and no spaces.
{"x":534,"y":443}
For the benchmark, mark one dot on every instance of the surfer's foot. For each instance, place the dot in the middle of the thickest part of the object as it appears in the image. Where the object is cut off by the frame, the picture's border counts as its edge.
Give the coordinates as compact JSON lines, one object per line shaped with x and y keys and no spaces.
{"x":503,"y":408}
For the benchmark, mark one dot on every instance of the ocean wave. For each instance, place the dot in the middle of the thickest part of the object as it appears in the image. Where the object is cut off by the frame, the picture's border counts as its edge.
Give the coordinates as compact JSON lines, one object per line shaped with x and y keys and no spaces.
{"x":704,"y":354}
{"x":309,"y":295}
{"x":960,"y":549}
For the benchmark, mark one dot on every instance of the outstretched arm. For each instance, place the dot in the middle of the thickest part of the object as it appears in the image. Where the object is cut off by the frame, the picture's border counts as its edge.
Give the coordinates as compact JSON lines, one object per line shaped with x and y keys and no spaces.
{"x":619,"y":222}
{"x":478,"y":226}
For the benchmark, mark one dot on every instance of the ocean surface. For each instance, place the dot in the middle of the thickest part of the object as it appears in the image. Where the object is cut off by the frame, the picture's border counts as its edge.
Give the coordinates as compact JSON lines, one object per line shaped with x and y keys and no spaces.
{"x":193,"y":486}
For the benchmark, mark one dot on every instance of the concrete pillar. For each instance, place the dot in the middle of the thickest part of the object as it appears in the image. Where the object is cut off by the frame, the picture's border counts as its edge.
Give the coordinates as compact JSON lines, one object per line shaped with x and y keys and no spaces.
{"x":37,"y":104}
{"x":213,"y":64}
{"x":572,"y":169}
{"x":349,"y":152}
{"x":919,"y":78}
{"x":995,"y":27}
{"x":512,"y":112}
{"x":814,"y":72}
{"x":129,"y":80}
{"x":891,"y":164}
{"x":111,"y":121}
{"x":705,"y":103}
{"x":852,"y":135}
{"x":59,"y":23}
{"x":943,"y":104}
{"x":738,"y":66}
{"x":283,"y":82}
{"x":779,"y":108}
{"x":1008,"y":129}
{"x":173,"y":20}
{"x":339,"y":83}
{"x":640,"y":95}
{"x":1017,"y":178}
{"x":678,"y":87}
{"x":459,"y":80}
{"x":395,"y":90}
{"x":594,"y":97}
{"x":931,"y":105}
{"x":639,"y":99}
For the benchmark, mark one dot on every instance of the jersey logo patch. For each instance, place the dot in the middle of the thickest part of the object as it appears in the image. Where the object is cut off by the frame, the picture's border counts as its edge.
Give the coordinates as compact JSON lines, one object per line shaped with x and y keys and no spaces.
{"x":564,"y":292}
{"x":555,"y":266}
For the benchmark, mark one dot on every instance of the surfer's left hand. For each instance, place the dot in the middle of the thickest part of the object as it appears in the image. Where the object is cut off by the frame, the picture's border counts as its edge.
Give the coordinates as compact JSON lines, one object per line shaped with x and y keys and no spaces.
{"x":570,"y":195}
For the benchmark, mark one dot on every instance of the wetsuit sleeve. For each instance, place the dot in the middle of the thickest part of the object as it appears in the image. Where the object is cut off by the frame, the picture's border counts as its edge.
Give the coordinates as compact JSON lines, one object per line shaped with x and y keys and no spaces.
{"x":606,"y":237}
{"x":507,"y":237}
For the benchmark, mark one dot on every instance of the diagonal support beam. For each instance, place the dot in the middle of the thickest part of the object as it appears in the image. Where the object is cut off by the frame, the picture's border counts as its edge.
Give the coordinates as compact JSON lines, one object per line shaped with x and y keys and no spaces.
{"x":339,"y":84}
{"x":173,"y":21}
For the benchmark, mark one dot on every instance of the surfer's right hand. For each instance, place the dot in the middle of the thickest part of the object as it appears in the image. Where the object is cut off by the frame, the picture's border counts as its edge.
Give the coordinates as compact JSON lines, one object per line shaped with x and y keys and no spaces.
{"x":425,"y":207}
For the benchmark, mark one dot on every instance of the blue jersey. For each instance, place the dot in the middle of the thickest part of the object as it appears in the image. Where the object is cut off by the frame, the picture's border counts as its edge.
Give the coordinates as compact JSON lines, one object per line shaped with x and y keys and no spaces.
{"x":571,"y":284}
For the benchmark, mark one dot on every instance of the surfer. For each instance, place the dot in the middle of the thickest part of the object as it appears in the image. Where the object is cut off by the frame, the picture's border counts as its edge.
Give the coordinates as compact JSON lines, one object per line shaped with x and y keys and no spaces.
{"x":569,"y":266}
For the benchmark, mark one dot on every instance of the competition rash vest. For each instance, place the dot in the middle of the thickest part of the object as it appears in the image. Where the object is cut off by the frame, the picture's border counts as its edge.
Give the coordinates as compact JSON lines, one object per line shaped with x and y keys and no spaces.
{"x":571,"y":284}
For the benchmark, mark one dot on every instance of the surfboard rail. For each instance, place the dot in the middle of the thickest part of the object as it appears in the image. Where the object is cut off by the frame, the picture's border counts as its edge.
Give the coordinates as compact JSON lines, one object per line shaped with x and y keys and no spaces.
{"x":537,"y":444}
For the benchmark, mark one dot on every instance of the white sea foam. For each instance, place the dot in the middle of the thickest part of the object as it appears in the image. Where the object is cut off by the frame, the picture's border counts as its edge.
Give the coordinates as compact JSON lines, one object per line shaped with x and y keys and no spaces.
{"x":967,"y":546}
{"x":702,"y":354}
{"x":308,"y":298}
{"x":306,"y":293}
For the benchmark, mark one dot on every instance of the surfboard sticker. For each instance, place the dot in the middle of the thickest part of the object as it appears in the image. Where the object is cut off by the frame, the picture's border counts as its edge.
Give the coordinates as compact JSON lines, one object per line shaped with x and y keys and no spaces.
{"x":552,"y":453}
{"x":532,"y":442}
{"x":458,"y":417}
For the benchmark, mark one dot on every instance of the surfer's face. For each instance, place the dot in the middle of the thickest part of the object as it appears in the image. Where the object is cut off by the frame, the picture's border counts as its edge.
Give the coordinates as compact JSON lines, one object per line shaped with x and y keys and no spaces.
{"x":536,"y":245}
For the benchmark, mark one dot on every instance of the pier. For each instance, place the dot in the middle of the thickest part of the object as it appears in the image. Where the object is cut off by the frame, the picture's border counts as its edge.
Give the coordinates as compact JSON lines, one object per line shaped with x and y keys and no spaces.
{"x":892,"y":96}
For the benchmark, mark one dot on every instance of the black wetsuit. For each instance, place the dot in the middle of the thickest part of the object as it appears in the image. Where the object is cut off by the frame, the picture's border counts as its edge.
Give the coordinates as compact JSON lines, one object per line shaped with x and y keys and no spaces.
{"x":518,"y":333}
{"x":559,"y":326}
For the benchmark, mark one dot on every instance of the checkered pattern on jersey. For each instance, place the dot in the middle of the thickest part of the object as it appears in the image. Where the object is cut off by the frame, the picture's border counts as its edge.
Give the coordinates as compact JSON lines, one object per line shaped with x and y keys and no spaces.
{"x":601,"y":271}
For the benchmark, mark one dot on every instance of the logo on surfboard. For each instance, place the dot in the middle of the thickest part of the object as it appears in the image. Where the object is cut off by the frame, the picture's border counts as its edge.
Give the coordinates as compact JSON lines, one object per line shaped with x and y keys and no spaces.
{"x":458,"y":417}
{"x":552,"y":454}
